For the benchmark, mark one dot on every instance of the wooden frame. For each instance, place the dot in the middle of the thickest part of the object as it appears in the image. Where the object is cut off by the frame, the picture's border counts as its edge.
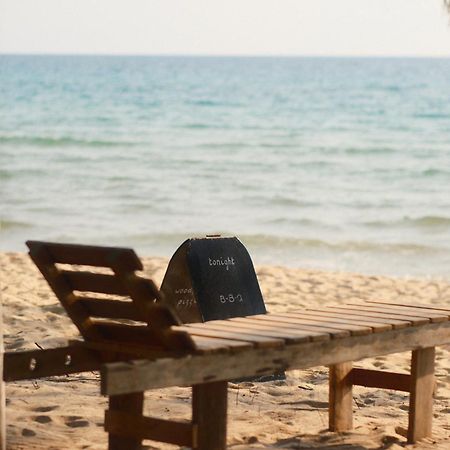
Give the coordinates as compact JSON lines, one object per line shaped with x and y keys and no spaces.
{"x":154,"y":350}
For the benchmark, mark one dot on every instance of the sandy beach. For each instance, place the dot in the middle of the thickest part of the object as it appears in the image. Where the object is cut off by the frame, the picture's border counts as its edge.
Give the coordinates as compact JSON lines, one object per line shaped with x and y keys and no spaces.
{"x":67,"y":412}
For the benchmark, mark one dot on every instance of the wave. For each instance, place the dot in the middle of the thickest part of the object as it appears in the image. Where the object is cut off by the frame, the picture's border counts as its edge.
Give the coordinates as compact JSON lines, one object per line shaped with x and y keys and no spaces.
{"x":12,"y":224}
{"x":268,"y":241}
{"x":421,"y":222}
{"x":265,"y":240}
{"x":63,"y":141}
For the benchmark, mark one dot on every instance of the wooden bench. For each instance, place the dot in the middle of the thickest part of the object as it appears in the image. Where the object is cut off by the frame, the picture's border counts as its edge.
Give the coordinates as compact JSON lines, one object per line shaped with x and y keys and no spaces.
{"x":137,"y":343}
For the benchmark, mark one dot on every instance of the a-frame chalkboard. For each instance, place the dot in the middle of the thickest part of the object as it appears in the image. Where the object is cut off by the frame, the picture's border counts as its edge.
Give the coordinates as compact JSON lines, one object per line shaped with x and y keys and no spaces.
{"x":212,"y":278}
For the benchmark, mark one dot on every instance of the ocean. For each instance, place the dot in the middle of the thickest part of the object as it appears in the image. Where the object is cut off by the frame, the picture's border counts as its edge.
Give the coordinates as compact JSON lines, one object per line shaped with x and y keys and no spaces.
{"x":329,"y":163}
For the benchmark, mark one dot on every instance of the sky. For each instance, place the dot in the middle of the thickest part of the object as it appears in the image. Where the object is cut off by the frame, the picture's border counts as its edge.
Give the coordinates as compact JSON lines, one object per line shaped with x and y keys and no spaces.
{"x":226,"y":27}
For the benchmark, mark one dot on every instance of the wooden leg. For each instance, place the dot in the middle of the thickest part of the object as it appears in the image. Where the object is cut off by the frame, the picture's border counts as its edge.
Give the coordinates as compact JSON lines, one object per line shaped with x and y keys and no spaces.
{"x":2,"y":389}
{"x":421,"y":394}
{"x":340,"y":397}
{"x":128,"y":403}
{"x":209,"y":413}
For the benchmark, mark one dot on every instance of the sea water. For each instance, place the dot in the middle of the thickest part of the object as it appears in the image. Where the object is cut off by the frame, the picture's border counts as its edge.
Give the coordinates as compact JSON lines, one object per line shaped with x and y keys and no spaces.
{"x":332,"y":163}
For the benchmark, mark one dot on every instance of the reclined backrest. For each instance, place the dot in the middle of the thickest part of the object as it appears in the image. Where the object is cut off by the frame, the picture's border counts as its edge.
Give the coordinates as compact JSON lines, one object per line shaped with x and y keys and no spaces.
{"x":105,"y":299}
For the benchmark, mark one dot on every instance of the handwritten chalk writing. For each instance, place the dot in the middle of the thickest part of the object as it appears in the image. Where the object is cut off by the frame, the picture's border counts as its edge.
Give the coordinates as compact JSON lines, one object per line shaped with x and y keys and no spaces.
{"x":227,"y":261}
{"x":230,"y":298}
{"x":183,"y":291}
{"x":186,"y":303}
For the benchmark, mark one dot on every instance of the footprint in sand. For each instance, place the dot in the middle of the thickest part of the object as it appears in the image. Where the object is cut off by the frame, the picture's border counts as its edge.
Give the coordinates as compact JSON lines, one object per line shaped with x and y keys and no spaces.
{"x":27,"y":432}
{"x":76,"y":422}
{"x":43,"y":419}
{"x":45,"y":408}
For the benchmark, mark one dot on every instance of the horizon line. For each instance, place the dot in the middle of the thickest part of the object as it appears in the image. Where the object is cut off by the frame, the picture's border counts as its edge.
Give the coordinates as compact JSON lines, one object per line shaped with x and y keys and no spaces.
{"x":229,"y":55}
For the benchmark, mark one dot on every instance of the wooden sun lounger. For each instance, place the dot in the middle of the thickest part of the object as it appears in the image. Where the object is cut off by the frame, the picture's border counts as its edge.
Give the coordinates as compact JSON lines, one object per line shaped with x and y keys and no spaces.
{"x":137,"y":343}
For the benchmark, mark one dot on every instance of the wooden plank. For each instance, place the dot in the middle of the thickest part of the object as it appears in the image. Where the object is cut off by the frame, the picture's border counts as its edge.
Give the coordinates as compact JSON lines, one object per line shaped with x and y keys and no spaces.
{"x":131,"y":404}
{"x":355,"y":330}
{"x":110,"y":309}
{"x":88,"y":255}
{"x":257,"y":341}
{"x":287,"y":337}
{"x":94,"y":282}
{"x":278,"y":327}
{"x":421,"y":398}
{"x":300,"y":325}
{"x":137,"y":426}
{"x":209,"y":344}
{"x":126,"y":333}
{"x":376,"y":327}
{"x":432,"y":307}
{"x":45,"y":363}
{"x":360,"y":311}
{"x":193,"y":369}
{"x":209,"y":413}
{"x":396,"y":324}
{"x":340,"y":412}
{"x":381,"y":379}
{"x":433,"y":315}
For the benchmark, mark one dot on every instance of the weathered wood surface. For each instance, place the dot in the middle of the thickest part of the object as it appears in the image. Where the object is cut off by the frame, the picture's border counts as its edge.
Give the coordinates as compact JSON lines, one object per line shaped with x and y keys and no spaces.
{"x":421,"y":397}
{"x":194,"y":369}
{"x":340,"y":412}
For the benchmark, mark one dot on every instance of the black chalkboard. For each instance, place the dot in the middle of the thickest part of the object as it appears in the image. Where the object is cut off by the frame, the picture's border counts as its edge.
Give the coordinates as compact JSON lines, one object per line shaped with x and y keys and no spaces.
{"x":212,"y":278}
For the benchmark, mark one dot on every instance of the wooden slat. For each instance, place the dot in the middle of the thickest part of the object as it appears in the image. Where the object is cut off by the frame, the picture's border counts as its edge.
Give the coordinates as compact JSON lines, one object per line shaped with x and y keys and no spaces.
{"x":433,"y":315}
{"x":137,"y":426}
{"x":371,"y":313}
{"x":278,"y":327}
{"x":377,"y":327}
{"x":89,"y":255}
{"x":286,"y":336}
{"x":381,"y":379}
{"x":432,"y":307}
{"x":194,"y":369}
{"x":396,"y":324}
{"x":355,"y":330}
{"x":110,"y":309}
{"x":258,"y":341}
{"x":94,"y":282}
{"x":298,"y":324}
{"x":127,"y":333}
{"x":217,"y":345}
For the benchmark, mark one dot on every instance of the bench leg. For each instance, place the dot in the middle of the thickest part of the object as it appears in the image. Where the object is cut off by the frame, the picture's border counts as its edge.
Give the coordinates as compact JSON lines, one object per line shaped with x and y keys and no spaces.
{"x":209,"y":414}
{"x":340,"y":413}
{"x":128,"y":403}
{"x":421,"y":394}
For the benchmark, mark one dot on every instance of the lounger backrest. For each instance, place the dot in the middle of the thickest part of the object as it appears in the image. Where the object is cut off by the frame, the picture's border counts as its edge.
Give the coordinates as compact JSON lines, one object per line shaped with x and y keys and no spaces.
{"x":105,"y":298}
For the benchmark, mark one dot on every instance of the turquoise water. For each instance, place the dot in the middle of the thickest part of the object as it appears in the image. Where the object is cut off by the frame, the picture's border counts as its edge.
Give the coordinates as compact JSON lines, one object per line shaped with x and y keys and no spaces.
{"x":313,"y":162}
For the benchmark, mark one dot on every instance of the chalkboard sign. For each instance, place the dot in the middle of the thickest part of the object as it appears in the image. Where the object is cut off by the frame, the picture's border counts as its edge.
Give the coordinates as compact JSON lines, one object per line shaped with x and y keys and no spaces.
{"x":212,"y":278}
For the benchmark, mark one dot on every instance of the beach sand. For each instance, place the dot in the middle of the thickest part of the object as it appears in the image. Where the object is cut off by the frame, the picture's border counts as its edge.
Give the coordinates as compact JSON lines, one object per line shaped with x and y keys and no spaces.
{"x":67,"y":412}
